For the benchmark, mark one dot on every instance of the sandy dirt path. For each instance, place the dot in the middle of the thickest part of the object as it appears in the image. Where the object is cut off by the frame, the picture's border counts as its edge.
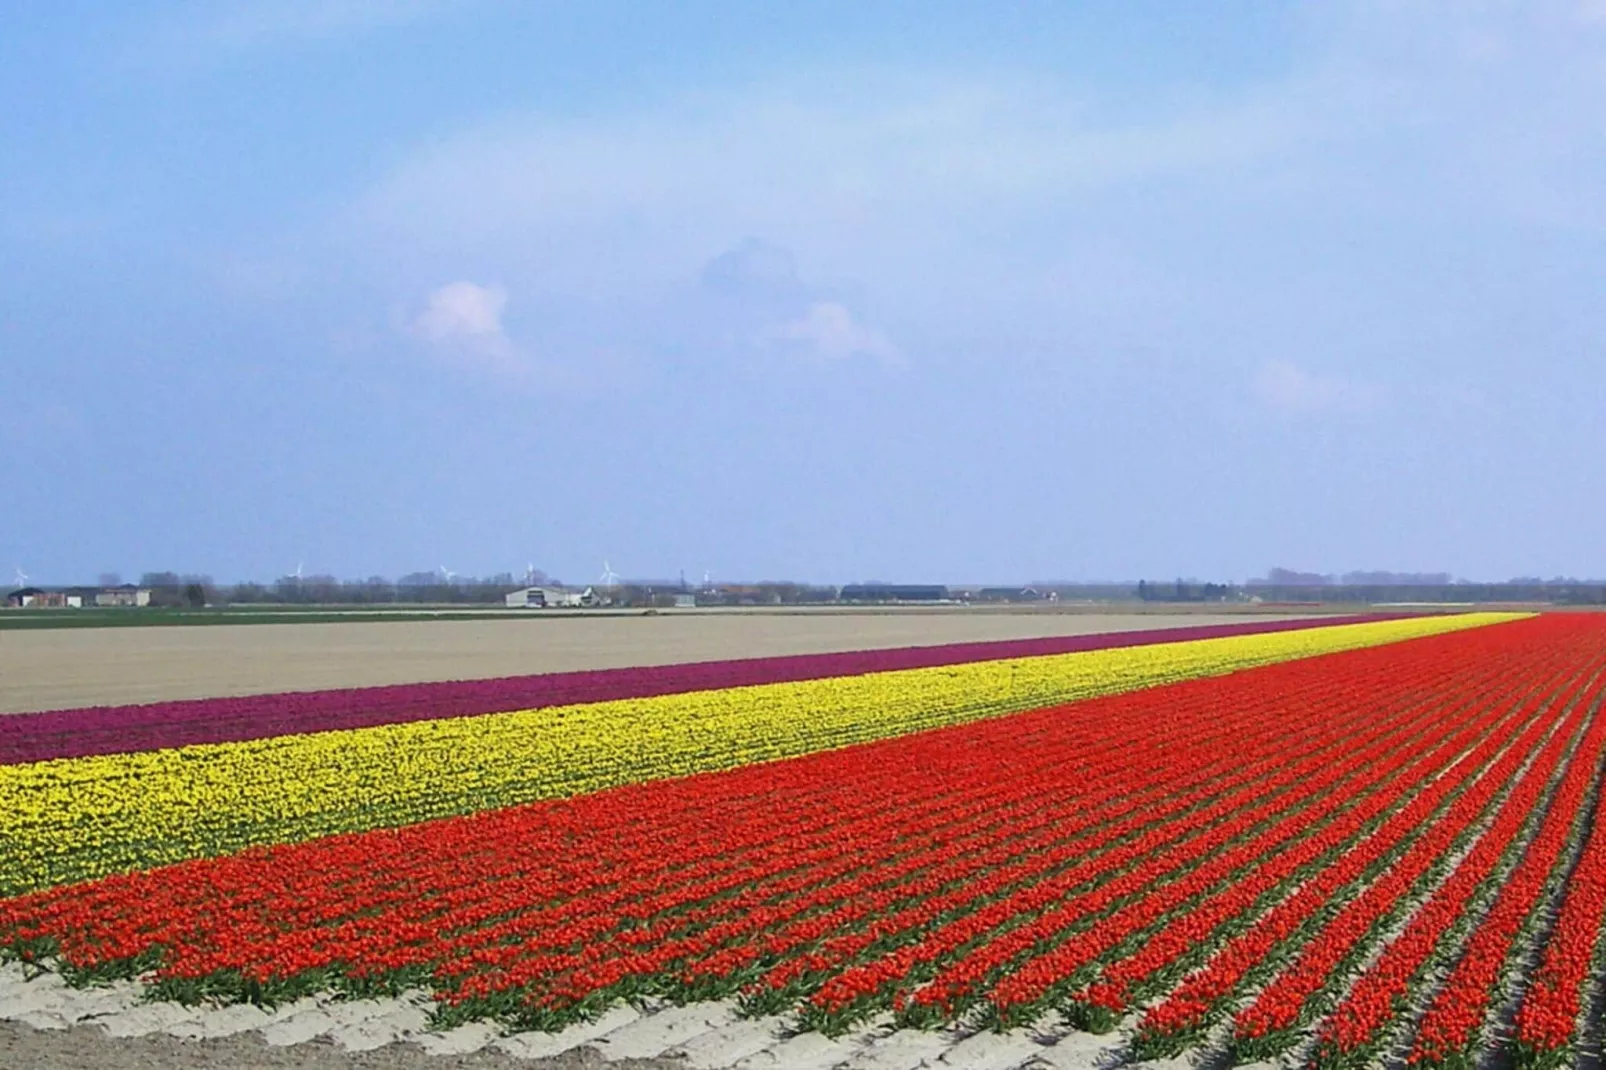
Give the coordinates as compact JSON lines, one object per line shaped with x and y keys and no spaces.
{"x":62,"y":669}
{"x":47,"y":1025}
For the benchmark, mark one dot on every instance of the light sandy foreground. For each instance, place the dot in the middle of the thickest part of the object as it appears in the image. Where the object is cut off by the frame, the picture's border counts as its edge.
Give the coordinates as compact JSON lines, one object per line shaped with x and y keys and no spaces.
{"x":66,"y":668}
{"x":48,"y":1025}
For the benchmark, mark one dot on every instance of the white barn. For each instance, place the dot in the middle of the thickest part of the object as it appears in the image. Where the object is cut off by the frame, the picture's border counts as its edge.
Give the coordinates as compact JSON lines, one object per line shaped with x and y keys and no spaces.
{"x":550,"y":598}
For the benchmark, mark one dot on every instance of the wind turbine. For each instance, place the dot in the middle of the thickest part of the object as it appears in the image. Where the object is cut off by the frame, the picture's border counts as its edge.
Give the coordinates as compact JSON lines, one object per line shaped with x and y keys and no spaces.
{"x":297,"y":572}
{"x":529,"y":574}
{"x":447,"y":574}
{"x":708,"y":583}
{"x":21,"y":578}
{"x":609,"y":577}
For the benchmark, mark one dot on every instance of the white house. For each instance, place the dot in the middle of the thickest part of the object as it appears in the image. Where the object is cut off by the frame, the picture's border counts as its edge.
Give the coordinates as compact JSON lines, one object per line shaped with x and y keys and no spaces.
{"x":125,"y":595}
{"x":550,"y":598}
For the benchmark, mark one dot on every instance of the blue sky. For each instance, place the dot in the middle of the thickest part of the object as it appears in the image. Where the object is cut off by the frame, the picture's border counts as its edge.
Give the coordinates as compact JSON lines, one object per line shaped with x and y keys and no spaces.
{"x":829,"y":291}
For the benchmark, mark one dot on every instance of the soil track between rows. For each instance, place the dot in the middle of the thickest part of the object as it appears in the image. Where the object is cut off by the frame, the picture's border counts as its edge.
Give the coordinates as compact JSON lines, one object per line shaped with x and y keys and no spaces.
{"x":69,"y":668}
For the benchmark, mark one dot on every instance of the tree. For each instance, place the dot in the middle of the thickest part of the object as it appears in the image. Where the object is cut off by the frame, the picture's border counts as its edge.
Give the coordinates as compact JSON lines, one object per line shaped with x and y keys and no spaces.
{"x":377,"y":589}
{"x":165,"y":588}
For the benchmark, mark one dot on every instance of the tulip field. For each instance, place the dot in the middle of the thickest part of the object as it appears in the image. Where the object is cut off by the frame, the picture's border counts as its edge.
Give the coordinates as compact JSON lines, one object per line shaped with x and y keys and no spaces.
{"x":1346,"y":843}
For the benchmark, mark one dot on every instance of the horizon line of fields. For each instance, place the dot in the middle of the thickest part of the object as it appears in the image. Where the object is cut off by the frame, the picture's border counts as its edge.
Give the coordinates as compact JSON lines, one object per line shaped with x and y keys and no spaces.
{"x":271,"y":613}
{"x":346,"y":613}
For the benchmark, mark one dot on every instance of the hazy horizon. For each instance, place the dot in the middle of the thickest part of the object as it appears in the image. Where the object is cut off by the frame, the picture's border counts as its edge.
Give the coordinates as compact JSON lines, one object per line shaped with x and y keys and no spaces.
{"x":1337,"y":578}
{"x":833,"y":292}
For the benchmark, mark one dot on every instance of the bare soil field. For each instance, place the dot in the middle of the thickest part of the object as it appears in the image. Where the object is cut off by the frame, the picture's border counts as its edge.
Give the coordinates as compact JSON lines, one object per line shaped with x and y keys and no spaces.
{"x":63,"y":669}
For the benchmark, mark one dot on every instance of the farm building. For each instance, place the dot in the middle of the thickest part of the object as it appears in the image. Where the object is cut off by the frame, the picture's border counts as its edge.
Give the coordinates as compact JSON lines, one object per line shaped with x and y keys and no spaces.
{"x":1010,"y":594}
{"x":895,"y":592}
{"x":550,"y":598}
{"x":124,"y":595}
{"x":77,"y":597}
{"x":40,"y":598}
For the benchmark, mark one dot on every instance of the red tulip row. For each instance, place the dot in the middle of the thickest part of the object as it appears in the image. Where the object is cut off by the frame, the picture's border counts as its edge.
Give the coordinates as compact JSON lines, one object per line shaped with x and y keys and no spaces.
{"x":1423,"y":831}
{"x":1192,"y":936}
{"x":888,"y":910}
{"x":1010,"y":924}
{"x":1453,"y":1026}
{"x":907,"y":964}
{"x":1304,"y":990}
{"x":1171,"y":938}
{"x":1363,"y":1020}
{"x":1547,"y":1022}
{"x":1059,"y":946}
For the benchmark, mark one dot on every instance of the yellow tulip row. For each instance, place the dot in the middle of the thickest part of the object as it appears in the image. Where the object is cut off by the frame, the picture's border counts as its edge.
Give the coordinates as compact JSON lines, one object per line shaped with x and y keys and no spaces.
{"x":77,"y":818}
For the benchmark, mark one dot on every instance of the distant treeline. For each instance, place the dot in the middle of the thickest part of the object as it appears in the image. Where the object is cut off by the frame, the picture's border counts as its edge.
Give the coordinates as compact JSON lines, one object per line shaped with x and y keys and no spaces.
{"x":1283,"y":584}
{"x":1567,"y":592}
{"x":438,"y":588}
{"x":175,"y":589}
{"x":1186,"y":591}
{"x":1556,"y":592}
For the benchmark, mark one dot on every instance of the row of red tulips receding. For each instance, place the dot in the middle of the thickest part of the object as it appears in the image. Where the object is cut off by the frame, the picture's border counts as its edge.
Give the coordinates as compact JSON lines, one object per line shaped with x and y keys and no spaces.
{"x":33,"y":737}
{"x":1548,"y":1027}
{"x":1362,"y":1022}
{"x":1453,"y":1028}
{"x":999,"y":865}
{"x":1051,"y":956}
{"x":1302,"y":991}
{"x":1011,"y":845}
{"x":1388,"y":780}
{"x":1063,"y":933}
{"x":1276,"y":934}
{"x":1195,"y":933}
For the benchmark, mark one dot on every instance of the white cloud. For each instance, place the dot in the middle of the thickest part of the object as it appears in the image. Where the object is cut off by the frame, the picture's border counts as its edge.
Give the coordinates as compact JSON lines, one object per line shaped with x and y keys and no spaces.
{"x":463,"y":320}
{"x":828,"y":330}
{"x":464,"y":311}
{"x":1282,"y":384}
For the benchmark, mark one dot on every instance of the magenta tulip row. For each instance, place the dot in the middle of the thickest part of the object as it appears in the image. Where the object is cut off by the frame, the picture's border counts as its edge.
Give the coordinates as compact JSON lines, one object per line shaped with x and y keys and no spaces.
{"x":32,"y":737}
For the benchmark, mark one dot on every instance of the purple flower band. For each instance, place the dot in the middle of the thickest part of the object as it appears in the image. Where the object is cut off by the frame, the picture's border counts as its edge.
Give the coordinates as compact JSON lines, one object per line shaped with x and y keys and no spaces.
{"x":33,"y":737}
